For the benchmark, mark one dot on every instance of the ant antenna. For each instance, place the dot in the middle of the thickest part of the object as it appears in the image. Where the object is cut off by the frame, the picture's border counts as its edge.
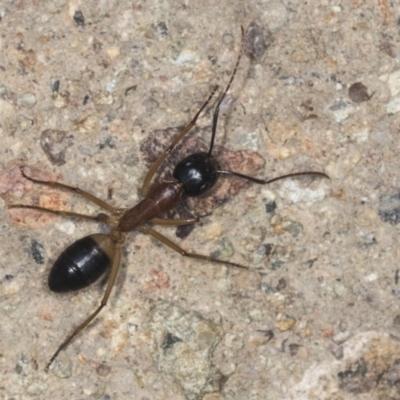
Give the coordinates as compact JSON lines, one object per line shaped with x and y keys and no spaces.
{"x":216,"y":112}
{"x":264,"y":182}
{"x":214,"y":129}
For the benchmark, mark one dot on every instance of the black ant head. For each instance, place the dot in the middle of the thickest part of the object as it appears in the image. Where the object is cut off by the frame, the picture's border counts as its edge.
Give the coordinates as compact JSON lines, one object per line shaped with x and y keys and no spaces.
{"x":198,"y":173}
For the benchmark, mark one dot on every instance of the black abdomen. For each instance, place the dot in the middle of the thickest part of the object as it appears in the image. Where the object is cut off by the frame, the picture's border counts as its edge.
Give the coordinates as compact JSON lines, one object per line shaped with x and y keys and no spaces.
{"x":82,"y":263}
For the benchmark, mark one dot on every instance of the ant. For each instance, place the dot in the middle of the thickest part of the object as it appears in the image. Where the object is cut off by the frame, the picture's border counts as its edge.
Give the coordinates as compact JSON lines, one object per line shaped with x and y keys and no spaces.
{"x":87,"y":259}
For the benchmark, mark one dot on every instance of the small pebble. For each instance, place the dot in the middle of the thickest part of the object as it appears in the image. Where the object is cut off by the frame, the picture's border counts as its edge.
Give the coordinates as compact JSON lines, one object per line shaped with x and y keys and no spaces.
{"x":341,"y":337}
{"x":275,"y":14}
{"x":113,"y":52}
{"x":393,"y":82}
{"x":36,"y":388}
{"x":270,"y":207}
{"x":187,"y":57}
{"x":86,"y":125}
{"x":27,"y":100}
{"x":358,"y":92}
{"x":24,"y":123}
{"x":103,"y":370}
{"x":337,"y":352}
{"x":286,"y":324}
{"x":150,"y":105}
{"x":162,"y":28}
{"x":54,"y":144}
{"x":294,"y":348}
{"x":256,"y":42}
{"x":103,"y":98}
{"x":79,"y":18}
{"x":63,"y":367}
{"x":260,"y":338}
{"x":60,"y":100}
{"x":37,"y":252}
{"x":389,"y":208}
{"x":225,"y":249}
{"x":7,"y":110}
{"x":393,"y":106}
{"x":341,"y":110}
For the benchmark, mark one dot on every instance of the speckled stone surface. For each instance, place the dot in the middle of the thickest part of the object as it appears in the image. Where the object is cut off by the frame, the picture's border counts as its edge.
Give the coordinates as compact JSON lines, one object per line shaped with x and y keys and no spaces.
{"x":84,"y":85}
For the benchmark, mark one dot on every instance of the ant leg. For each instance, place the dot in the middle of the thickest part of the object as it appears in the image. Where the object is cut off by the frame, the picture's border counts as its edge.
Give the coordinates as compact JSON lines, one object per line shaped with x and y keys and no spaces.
{"x":217,"y":108}
{"x":176,"y":222}
{"x":160,"y":160}
{"x":174,"y":246}
{"x":101,"y":217}
{"x":263,"y":182}
{"x":87,"y":321}
{"x":77,"y":190}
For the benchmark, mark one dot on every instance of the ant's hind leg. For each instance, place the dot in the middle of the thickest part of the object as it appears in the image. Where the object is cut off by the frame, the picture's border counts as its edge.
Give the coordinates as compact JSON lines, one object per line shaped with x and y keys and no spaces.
{"x":111,"y":280}
{"x":77,"y":190}
{"x":174,"y":246}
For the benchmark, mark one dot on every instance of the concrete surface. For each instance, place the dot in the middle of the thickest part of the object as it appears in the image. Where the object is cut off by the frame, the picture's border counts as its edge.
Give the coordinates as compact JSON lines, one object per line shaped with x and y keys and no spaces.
{"x":317,"y":316}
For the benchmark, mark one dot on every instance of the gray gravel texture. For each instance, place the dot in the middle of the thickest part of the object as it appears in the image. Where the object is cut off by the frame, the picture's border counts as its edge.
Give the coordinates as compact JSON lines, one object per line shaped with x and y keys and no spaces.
{"x":88,"y":94}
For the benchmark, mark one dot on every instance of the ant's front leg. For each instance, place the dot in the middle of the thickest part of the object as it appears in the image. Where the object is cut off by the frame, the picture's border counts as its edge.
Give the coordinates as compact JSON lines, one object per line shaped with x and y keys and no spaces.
{"x":150,"y":174}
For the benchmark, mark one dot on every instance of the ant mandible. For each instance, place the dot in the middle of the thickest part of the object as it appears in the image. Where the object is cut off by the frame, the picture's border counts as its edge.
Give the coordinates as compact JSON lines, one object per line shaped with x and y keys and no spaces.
{"x":86,"y":260}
